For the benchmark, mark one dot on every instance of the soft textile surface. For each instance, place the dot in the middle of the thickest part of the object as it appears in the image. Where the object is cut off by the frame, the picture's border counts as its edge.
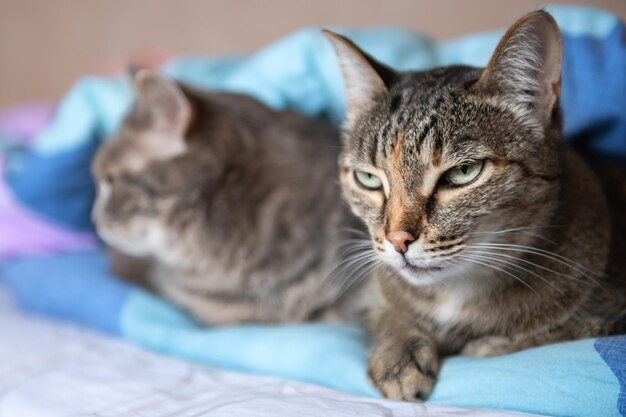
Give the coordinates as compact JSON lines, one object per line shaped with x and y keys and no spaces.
{"x":569,"y":379}
{"x":46,"y":194}
{"x":55,"y":370}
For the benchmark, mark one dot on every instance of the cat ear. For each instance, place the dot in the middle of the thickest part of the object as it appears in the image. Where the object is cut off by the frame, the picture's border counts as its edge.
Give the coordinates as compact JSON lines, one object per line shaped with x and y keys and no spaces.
{"x":162,"y":101}
{"x":526,"y":65}
{"x":365,"y":78}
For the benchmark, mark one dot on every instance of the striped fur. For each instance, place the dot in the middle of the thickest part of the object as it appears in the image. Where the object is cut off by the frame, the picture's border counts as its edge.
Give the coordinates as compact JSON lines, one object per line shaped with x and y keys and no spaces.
{"x":525,"y":254}
{"x":229,"y":209}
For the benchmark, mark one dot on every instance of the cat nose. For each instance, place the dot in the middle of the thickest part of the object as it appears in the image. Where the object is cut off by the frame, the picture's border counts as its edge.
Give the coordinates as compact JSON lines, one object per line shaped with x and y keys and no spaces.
{"x":400,"y":240}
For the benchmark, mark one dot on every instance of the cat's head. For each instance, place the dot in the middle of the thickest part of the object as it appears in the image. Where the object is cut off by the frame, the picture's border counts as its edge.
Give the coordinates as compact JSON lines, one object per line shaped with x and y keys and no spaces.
{"x":441,"y":164}
{"x":148,"y":174}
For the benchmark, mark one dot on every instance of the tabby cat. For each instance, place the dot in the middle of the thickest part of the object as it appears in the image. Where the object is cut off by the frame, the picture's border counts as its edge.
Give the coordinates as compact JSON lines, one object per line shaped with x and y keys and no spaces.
{"x":227,"y":208}
{"x":495,"y":234}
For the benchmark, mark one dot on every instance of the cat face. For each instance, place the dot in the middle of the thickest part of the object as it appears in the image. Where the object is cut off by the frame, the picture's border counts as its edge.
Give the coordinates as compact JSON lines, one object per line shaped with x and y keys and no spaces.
{"x":146,"y":175}
{"x":131,"y":198}
{"x":442,"y":164}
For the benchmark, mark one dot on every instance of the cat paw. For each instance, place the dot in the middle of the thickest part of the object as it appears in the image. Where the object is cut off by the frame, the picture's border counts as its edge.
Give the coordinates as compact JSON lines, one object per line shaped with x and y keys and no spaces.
{"x":404,"y":370}
{"x":489,"y":346}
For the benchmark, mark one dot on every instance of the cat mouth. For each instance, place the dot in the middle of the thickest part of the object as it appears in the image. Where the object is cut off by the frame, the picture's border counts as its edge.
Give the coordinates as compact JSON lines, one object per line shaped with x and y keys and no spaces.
{"x":420,"y":275}
{"x":421,"y":269}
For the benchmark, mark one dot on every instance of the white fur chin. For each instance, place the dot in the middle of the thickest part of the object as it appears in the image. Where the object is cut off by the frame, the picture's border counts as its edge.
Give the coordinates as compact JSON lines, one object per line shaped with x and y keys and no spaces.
{"x":422,"y":279}
{"x":453,"y":294}
{"x":129,"y":248}
{"x":151,"y":242}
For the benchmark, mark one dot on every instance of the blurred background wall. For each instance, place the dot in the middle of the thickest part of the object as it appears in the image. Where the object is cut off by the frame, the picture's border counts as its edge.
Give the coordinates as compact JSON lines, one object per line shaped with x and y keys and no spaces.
{"x":47,"y":44}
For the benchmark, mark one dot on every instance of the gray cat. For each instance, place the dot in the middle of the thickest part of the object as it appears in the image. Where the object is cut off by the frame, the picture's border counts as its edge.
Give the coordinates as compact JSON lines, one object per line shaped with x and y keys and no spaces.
{"x":229,"y":209}
{"x":497,"y":236}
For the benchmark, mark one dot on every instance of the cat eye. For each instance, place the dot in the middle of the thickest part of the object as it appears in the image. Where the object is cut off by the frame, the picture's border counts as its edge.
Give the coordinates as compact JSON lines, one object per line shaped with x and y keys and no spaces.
{"x":464,"y":174}
{"x":368,"y":181}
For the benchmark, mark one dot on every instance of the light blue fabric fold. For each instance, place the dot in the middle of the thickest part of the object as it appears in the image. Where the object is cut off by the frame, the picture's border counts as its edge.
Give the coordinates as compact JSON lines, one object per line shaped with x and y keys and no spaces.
{"x":329,"y":355}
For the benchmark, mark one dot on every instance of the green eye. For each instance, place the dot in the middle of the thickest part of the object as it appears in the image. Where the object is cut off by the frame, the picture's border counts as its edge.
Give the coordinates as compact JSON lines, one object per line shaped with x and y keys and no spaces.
{"x":367,"y":180}
{"x":464,"y":174}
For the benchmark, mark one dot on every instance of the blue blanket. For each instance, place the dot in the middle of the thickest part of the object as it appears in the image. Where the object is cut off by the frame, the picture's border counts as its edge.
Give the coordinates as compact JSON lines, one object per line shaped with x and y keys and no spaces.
{"x":50,"y":180}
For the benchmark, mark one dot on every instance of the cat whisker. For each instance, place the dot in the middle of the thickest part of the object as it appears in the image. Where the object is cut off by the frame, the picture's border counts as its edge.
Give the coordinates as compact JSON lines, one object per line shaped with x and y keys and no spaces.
{"x":526,"y":261}
{"x":512,"y":245}
{"x":489,"y":265}
{"x":356,"y":243}
{"x":517,"y":228}
{"x":356,"y":231}
{"x":513,"y":264}
{"x":351,"y":249}
{"x":357,"y":264}
{"x":348,"y":262}
{"x":541,"y":252}
{"x":524,"y":230}
{"x":345,"y":279}
{"x":344,"y":264}
{"x":365,"y":272}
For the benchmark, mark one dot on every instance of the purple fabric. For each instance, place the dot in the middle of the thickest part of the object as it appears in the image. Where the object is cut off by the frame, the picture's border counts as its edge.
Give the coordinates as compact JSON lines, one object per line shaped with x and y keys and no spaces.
{"x":23,"y":232}
{"x":24,"y":121}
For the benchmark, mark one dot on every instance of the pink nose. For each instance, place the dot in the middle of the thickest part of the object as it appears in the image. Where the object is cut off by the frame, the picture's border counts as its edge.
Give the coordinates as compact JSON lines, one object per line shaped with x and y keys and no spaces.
{"x":400,"y":240}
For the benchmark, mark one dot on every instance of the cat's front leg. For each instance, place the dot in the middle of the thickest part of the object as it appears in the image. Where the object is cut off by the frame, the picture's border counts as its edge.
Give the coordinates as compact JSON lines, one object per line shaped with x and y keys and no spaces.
{"x":404,"y":361}
{"x":404,"y":367}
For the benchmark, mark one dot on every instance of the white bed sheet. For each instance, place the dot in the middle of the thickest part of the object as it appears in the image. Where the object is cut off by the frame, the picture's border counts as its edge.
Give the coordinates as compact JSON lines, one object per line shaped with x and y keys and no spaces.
{"x":51,"y":369}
